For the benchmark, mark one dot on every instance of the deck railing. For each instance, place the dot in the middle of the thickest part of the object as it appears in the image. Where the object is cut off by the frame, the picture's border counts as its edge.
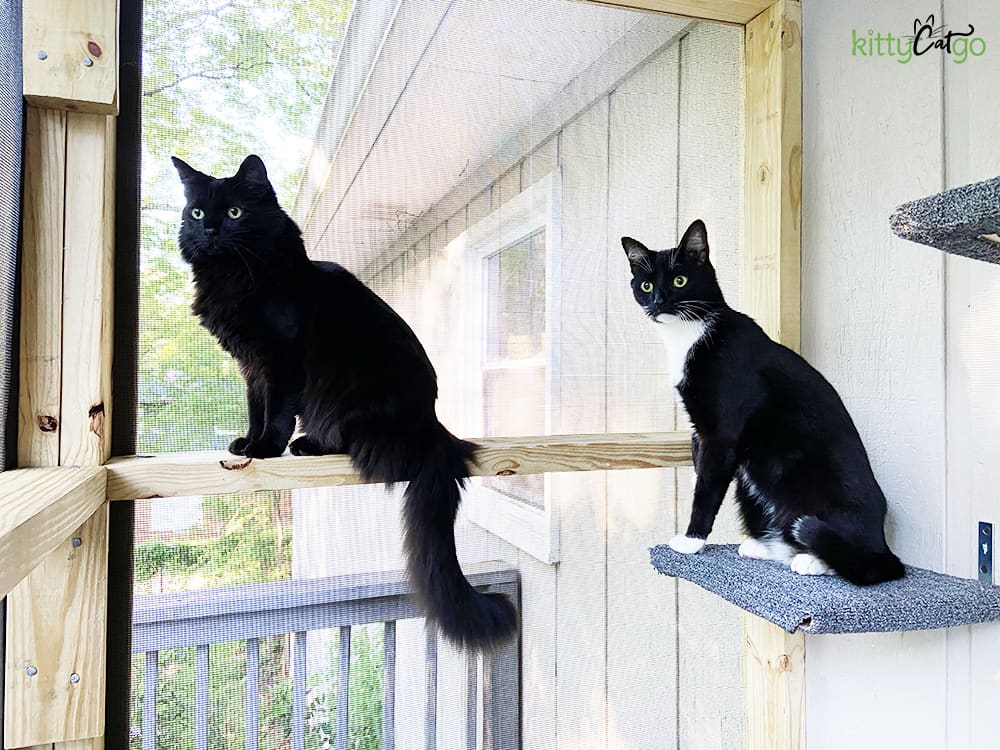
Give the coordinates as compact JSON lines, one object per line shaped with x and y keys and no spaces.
{"x":299,"y":606}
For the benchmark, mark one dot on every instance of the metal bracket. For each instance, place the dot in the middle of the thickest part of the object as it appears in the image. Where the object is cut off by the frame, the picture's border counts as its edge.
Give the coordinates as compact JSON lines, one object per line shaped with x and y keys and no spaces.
{"x":985,"y":547}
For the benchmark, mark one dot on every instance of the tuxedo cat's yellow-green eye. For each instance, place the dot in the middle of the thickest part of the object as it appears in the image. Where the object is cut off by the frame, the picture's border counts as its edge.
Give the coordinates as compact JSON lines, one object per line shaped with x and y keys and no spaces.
{"x":197,"y":214}
{"x":646,"y":286}
{"x":234,"y":212}
{"x":680,"y":281}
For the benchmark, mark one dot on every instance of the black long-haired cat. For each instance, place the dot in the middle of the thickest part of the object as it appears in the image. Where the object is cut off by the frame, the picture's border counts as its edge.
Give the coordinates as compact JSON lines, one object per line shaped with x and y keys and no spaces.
{"x":761,"y":413}
{"x":311,"y":340}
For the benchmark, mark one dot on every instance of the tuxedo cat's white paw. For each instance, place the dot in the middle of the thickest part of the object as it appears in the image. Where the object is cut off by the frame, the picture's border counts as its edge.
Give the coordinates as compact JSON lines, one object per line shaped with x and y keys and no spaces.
{"x":809,"y":565}
{"x":686,"y":544}
{"x":754,"y":549}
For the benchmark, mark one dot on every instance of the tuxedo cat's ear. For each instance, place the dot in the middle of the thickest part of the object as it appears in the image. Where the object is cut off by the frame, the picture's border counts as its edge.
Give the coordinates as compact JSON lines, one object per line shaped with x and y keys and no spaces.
{"x":694,"y":243}
{"x":639,"y":256}
{"x":186,"y":171}
{"x":252,"y":170}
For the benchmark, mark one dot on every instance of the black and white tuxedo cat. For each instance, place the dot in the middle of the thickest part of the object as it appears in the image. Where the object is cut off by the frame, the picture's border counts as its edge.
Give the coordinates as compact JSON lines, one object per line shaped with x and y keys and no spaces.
{"x":761,"y":414}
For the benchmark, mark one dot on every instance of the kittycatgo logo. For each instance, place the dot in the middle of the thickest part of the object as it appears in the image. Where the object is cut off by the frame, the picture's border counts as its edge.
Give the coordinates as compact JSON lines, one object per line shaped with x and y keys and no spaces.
{"x":925,"y":37}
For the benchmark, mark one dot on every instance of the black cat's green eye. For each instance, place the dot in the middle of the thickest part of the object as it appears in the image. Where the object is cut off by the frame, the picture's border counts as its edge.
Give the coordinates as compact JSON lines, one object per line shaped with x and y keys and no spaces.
{"x":234,"y":212}
{"x":680,"y":281}
{"x":646,"y":286}
{"x":197,"y":214}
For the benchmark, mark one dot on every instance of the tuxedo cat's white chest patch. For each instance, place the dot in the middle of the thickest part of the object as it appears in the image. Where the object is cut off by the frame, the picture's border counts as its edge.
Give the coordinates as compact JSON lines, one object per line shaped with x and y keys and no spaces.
{"x":679,"y":336}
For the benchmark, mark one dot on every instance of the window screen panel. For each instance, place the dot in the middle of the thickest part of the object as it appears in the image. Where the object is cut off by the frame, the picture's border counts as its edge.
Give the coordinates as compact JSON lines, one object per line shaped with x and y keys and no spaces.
{"x":475,"y":163}
{"x":10,"y":193}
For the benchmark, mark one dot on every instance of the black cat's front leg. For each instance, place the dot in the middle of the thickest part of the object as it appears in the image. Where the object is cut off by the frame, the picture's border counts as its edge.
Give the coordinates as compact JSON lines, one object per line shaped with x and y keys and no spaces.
{"x":282,"y":392}
{"x":255,"y":415}
{"x":715,"y":464}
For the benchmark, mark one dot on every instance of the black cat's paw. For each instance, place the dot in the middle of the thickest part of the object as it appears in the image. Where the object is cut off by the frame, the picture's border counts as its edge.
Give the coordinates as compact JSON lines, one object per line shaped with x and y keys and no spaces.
{"x":304,"y":446}
{"x":263,"y":449}
{"x":307,"y":446}
{"x":238,"y":446}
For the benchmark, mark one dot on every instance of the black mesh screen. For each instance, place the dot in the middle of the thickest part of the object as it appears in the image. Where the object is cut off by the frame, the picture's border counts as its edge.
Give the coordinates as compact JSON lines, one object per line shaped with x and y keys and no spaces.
{"x":10,"y":192}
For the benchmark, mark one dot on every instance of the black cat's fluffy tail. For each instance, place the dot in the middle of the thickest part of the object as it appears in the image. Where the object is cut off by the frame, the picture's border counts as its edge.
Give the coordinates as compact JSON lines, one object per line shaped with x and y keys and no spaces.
{"x":465,"y":616}
{"x":852,"y":561}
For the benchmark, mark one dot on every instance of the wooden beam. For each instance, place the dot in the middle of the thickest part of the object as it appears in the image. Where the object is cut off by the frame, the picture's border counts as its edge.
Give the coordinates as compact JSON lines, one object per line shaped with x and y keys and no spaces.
{"x":773,"y":660}
{"x":87,"y":296}
{"x":55,"y":617}
{"x":55,"y":677}
{"x":170,"y":475}
{"x":41,"y":288}
{"x":39,"y":509}
{"x":770,"y":264}
{"x":727,"y":11}
{"x":71,"y":55}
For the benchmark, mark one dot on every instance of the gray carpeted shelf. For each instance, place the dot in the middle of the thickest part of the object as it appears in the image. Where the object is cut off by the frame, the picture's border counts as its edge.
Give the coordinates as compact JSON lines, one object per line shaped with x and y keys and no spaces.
{"x":921,"y":600}
{"x":962,"y":221}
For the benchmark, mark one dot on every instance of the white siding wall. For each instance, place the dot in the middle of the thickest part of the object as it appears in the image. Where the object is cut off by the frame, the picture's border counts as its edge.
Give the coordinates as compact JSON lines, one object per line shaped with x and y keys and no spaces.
{"x":909,"y":339}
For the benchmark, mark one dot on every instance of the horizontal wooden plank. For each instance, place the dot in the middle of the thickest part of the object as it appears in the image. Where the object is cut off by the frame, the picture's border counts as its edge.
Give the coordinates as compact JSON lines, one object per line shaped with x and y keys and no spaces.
{"x":39,"y":509}
{"x":175,"y":474}
{"x":726,"y":11}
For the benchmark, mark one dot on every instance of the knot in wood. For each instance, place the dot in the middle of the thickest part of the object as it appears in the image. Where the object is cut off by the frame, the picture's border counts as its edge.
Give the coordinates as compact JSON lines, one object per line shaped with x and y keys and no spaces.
{"x":94,"y":49}
{"x":47,"y":423}
{"x":763,"y":173}
{"x":235,"y":464}
{"x":784,"y":663}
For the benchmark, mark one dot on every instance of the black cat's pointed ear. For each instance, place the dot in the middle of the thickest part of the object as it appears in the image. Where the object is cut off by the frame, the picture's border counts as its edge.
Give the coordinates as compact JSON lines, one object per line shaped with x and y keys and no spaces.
{"x":694,"y":243}
{"x":639,"y":256}
{"x":186,"y":171}
{"x":252,"y":170}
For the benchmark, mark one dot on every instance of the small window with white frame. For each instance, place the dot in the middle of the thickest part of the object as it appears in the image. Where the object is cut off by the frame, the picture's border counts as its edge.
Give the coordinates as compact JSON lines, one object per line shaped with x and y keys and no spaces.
{"x":510,"y":313}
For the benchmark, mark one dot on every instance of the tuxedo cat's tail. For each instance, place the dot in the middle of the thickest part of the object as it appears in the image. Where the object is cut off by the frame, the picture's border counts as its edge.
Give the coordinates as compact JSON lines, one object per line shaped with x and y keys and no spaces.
{"x":465,"y":616}
{"x":850,"y":559}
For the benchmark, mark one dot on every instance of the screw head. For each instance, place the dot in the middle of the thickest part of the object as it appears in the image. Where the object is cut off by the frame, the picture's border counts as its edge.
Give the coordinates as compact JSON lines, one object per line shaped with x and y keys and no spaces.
{"x":31,"y":671}
{"x":87,"y":62}
{"x":42,"y":54}
{"x":77,"y":541}
{"x":74,"y":678}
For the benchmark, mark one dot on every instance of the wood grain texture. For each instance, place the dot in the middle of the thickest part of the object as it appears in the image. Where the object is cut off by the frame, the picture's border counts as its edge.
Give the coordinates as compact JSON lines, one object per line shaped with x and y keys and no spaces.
{"x":41,"y":288}
{"x":770,"y":278}
{"x":87,"y":295}
{"x":39,"y":509}
{"x":774,"y":694}
{"x":61,"y":611}
{"x":169,"y":475}
{"x":726,"y":11}
{"x":66,"y":33}
{"x":773,"y":661}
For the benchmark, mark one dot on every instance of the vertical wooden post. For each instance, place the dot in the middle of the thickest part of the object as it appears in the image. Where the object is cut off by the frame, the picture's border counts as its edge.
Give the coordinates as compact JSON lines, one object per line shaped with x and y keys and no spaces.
{"x":56,"y":632}
{"x":773,"y":660}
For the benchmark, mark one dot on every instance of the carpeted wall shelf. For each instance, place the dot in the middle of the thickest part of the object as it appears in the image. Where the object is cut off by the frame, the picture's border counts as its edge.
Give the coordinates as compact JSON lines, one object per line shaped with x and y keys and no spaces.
{"x":921,"y":600}
{"x":962,"y":221}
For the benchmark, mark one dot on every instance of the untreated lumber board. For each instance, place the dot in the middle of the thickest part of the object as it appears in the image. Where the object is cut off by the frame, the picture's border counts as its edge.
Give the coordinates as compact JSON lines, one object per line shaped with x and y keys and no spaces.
{"x":87,"y":291}
{"x":726,"y":11}
{"x":55,"y":676}
{"x":55,"y":615}
{"x":41,"y":288}
{"x":170,"y":475}
{"x":770,"y":262}
{"x":71,"y":55}
{"x":773,"y":660}
{"x":39,"y":509}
